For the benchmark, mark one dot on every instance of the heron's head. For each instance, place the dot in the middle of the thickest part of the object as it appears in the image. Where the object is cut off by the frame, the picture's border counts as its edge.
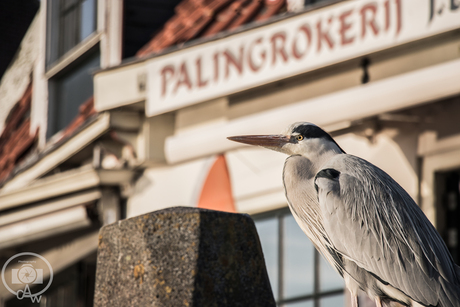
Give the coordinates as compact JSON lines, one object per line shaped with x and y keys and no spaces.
{"x":305,"y":139}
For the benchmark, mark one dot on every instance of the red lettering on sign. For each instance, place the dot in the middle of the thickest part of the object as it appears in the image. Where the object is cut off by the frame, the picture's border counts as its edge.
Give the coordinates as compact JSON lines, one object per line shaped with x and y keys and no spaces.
{"x":165,"y":72}
{"x":387,"y":15}
{"x":324,"y":35}
{"x":278,"y":41}
{"x":200,"y":81}
{"x":235,"y":62}
{"x":345,"y":25}
{"x":398,"y":17}
{"x":252,"y":65}
{"x":184,"y":79}
{"x":216,"y":67}
{"x":315,"y":39}
{"x":365,"y":22}
{"x":305,"y":29}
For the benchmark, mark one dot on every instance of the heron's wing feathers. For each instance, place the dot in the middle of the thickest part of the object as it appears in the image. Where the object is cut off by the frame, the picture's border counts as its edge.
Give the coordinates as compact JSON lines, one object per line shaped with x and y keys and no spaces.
{"x":372,"y":221}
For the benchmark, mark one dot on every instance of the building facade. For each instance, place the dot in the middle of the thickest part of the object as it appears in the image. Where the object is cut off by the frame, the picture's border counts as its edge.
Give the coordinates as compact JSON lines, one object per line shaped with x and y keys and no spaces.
{"x":113,"y":126}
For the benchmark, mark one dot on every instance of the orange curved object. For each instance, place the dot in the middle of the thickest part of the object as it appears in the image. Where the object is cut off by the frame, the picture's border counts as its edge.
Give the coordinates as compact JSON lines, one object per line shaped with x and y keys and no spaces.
{"x":216,"y":193}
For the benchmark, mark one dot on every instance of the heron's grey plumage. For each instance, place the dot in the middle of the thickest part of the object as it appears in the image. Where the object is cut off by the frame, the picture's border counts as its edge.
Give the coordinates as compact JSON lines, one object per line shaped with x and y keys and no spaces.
{"x":363,"y":222}
{"x":392,"y":238}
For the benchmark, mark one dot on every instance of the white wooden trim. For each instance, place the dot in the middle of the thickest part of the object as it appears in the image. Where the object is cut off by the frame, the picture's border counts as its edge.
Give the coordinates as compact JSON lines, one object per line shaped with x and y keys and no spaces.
{"x":74,"y":54}
{"x":110,"y":22}
{"x":66,"y":150}
{"x":51,"y":186}
{"x":50,"y":206}
{"x":43,"y":226}
{"x":62,"y":184}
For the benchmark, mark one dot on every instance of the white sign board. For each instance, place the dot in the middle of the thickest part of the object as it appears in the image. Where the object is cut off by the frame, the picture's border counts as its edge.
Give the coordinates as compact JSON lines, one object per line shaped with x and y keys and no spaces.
{"x":290,"y":47}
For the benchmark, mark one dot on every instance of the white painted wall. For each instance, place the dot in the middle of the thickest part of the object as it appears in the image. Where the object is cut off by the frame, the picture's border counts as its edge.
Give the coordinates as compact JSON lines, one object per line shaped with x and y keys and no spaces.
{"x":256,"y":179}
{"x":17,"y":77}
{"x":167,"y":186}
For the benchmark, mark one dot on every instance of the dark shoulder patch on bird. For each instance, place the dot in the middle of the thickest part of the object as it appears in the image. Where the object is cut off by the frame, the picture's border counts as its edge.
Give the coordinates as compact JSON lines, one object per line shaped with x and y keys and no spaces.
{"x":328,"y":173}
{"x":312,"y":132}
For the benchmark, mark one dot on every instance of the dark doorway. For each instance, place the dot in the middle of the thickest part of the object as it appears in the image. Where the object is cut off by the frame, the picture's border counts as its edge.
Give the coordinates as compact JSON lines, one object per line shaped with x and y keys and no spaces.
{"x":448,"y":209}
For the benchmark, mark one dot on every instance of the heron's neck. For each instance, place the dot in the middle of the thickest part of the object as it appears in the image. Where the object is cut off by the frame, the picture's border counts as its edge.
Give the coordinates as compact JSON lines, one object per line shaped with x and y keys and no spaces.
{"x":321,"y":157}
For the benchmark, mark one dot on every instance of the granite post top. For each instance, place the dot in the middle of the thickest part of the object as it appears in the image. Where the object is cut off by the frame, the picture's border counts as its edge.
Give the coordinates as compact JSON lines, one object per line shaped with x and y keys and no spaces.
{"x":182,"y":256}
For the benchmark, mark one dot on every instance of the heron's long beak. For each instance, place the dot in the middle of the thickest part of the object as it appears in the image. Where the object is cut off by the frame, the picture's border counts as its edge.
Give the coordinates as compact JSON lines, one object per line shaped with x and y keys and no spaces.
{"x":270,"y":141}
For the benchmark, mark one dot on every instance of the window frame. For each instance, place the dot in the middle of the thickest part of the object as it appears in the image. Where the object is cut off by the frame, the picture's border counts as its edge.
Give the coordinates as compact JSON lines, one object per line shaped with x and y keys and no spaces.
{"x":54,"y":105}
{"x":317,"y":294}
{"x":56,"y":62}
{"x":57,"y":65}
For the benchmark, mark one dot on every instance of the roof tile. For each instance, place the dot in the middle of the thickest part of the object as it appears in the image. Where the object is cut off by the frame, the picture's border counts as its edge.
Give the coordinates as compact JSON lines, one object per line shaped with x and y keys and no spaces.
{"x":204,"y":18}
{"x":247,"y":13}
{"x":16,"y":138}
{"x":271,"y":8}
{"x":17,"y":113}
{"x":224,"y":18}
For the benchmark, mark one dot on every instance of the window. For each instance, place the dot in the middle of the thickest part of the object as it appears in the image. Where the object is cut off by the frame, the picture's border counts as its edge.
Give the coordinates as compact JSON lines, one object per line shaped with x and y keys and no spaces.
{"x":298,"y":274}
{"x":69,"y":22}
{"x":68,"y":91}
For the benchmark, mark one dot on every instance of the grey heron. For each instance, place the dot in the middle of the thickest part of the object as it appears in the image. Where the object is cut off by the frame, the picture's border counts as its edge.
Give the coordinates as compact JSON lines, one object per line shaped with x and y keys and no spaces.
{"x":363,"y":222}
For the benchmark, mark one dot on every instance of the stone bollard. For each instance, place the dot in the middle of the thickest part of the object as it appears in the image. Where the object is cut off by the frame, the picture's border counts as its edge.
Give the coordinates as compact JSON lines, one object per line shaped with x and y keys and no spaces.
{"x":182,"y":257}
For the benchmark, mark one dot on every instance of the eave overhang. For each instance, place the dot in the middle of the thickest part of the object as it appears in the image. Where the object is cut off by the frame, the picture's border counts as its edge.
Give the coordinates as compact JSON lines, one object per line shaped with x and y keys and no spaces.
{"x":262,"y":54}
{"x":63,"y":150}
{"x":64,"y":183}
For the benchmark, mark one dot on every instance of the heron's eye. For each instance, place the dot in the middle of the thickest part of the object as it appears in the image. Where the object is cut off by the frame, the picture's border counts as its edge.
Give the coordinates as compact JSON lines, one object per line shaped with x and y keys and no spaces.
{"x":299,"y":137}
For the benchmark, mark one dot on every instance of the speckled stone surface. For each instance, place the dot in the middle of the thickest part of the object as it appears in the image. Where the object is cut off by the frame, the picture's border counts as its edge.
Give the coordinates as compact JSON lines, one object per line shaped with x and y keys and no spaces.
{"x":182,"y":257}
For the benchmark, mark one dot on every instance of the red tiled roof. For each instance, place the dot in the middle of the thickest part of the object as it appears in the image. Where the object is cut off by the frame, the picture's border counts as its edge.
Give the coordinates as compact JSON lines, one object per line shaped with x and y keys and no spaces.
{"x":16,"y":141}
{"x":16,"y":138}
{"x":204,"y":18}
